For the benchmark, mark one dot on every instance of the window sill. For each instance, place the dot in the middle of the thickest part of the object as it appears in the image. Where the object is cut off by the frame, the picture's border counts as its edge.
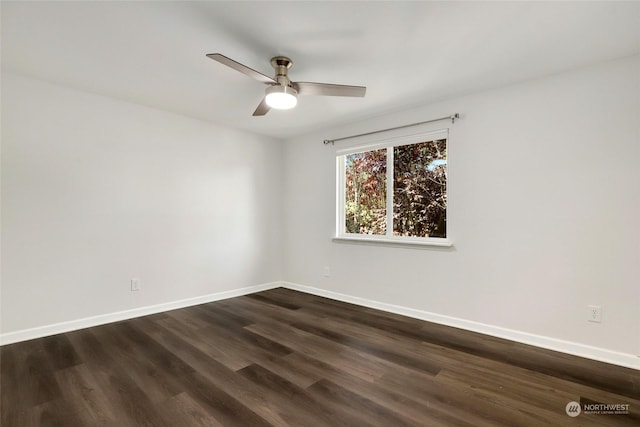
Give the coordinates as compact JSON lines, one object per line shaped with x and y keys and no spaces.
{"x":385,"y":241}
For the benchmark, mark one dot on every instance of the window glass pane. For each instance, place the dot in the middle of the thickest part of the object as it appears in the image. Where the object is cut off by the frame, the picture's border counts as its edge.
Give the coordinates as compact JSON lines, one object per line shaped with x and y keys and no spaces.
{"x":366,"y":192}
{"x":420,"y":189}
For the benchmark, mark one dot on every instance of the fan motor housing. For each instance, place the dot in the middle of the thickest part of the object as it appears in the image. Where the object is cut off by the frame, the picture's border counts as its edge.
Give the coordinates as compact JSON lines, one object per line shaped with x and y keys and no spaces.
{"x":281,"y":64}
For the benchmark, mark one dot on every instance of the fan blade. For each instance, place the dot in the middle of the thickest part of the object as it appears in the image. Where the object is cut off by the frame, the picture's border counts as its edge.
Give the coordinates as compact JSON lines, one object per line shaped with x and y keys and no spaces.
{"x":262,"y":109}
{"x":326,"y":89}
{"x":242,"y":68}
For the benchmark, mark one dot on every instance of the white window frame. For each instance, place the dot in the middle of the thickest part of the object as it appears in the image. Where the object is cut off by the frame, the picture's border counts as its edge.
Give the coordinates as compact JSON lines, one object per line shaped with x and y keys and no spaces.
{"x":389,"y":238}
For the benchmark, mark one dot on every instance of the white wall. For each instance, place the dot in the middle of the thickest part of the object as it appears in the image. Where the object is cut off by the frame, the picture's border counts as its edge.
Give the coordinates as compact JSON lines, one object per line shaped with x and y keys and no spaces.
{"x":544,"y":210}
{"x":97,"y":191}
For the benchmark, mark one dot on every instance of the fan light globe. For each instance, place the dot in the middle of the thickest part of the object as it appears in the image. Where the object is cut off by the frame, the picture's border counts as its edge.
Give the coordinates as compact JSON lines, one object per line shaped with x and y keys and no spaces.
{"x":281,"y":97}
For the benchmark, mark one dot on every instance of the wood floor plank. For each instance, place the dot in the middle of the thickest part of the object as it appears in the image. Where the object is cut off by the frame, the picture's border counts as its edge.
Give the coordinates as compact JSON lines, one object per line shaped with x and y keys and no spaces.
{"x":31,"y":372}
{"x":460,"y":402}
{"x":356,"y":405}
{"x":60,"y":351}
{"x":513,"y":402}
{"x":11,"y":378}
{"x":223,"y":406}
{"x":135,"y":405}
{"x":247,"y":339}
{"x":58,"y":413}
{"x":240,"y":347}
{"x":265,"y":297}
{"x":376,"y":349}
{"x":80,"y":388}
{"x":210,"y":314}
{"x":285,"y":358}
{"x":289,"y":368}
{"x":207,"y":341}
{"x":413,"y":409}
{"x":217,"y":373}
{"x":284,"y":395}
{"x":146,"y":365}
{"x":342,"y":357}
{"x":183,"y":410}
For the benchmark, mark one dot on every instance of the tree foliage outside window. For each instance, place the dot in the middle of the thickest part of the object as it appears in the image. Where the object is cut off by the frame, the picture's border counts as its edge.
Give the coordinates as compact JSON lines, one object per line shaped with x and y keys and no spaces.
{"x":420,"y":189}
{"x":366,"y":192}
{"x":417,"y":196}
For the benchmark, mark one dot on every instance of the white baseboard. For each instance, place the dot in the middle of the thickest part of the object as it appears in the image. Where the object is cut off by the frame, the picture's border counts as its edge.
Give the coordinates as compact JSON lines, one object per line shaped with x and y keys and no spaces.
{"x":87,"y":322}
{"x":576,"y":349}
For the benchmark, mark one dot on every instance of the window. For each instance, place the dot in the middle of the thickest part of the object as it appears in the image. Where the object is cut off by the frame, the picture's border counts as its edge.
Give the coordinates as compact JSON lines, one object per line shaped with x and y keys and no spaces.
{"x":394,"y":191}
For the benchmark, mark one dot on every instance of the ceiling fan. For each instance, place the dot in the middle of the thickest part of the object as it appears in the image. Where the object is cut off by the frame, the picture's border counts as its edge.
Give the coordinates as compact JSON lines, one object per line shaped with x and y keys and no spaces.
{"x":281,"y":92}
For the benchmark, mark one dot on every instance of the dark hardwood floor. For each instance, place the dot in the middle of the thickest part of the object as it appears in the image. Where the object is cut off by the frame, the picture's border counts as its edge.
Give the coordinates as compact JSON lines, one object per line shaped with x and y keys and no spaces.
{"x":282,"y":357}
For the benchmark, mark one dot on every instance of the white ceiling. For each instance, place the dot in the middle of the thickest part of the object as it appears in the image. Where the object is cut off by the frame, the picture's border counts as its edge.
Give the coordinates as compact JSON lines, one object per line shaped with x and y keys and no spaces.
{"x":406,"y":53}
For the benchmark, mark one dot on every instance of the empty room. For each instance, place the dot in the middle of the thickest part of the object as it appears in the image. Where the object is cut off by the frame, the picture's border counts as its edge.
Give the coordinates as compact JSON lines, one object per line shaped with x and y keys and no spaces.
{"x":298,"y":213}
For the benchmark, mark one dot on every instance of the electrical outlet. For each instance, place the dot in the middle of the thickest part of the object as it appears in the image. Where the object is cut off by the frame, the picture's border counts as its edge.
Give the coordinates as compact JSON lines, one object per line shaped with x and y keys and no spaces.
{"x":326,"y":272}
{"x":135,"y":285}
{"x":594,"y":313}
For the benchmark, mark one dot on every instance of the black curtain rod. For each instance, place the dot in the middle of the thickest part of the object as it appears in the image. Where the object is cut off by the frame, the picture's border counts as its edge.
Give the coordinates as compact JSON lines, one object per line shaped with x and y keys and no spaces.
{"x":452,"y":117}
